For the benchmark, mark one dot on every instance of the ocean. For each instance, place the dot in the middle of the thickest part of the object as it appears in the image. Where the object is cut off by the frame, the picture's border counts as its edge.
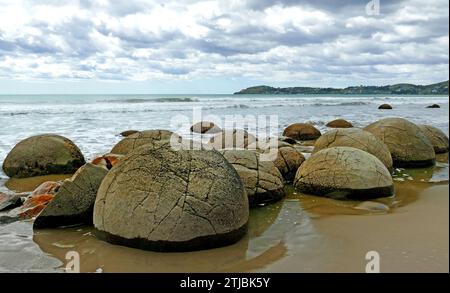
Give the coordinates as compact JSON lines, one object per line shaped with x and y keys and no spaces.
{"x":93,"y":122}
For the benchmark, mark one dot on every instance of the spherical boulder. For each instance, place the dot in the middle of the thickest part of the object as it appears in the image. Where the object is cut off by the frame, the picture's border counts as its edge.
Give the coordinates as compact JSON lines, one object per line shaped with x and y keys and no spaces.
{"x":437,"y":138}
{"x":262,"y":180}
{"x":42,"y":155}
{"x":73,"y":202}
{"x":356,"y":138}
{"x":162,"y":199}
{"x":339,"y":123}
{"x":408,"y":145}
{"x":140,"y":138}
{"x":233,"y":138}
{"x":301,"y":131}
{"x":344,"y":173}
{"x":385,"y":107}
{"x":205,"y":127}
{"x":288,"y":161}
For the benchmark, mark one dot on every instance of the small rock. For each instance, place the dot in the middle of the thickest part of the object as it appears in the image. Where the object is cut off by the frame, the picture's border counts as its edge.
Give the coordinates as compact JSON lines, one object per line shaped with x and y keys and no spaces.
{"x":339,"y":123}
{"x":385,"y":107}
{"x":128,"y":132}
{"x":33,"y":206}
{"x":9,"y":201}
{"x":433,"y":106}
{"x":49,"y":187}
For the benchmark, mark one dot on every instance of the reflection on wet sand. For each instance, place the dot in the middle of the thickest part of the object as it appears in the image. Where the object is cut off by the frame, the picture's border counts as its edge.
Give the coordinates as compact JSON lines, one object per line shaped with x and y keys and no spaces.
{"x":268,"y":228}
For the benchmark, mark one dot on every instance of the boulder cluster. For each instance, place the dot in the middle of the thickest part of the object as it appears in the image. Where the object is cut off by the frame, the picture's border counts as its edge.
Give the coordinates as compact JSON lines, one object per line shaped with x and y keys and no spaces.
{"x":148,"y":194}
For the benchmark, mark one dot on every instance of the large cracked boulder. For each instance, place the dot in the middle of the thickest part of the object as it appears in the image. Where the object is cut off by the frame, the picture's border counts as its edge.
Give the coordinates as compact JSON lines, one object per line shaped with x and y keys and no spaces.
{"x":42,"y":155}
{"x":233,"y":139}
{"x":162,"y":199}
{"x":408,"y":145}
{"x":140,"y":138}
{"x":356,"y":138}
{"x":344,"y":173}
{"x":301,"y":131}
{"x":73,"y":203}
{"x":437,"y":138}
{"x":262,"y":180}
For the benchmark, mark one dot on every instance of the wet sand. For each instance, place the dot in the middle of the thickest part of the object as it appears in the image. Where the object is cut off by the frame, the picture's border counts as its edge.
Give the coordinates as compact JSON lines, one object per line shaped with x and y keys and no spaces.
{"x":301,"y":233}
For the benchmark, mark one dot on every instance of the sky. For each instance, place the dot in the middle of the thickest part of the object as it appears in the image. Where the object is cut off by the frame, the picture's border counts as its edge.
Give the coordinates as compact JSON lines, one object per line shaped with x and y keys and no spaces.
{"x":204,"y":47}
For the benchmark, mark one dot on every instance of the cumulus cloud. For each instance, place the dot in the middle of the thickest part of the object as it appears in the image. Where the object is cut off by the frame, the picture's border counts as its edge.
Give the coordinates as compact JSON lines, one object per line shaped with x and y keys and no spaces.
{"x":283,"y":41}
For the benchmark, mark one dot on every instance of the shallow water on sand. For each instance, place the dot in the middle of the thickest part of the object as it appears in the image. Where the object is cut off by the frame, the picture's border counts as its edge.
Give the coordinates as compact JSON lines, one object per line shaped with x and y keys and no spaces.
{"x":301,"y":233}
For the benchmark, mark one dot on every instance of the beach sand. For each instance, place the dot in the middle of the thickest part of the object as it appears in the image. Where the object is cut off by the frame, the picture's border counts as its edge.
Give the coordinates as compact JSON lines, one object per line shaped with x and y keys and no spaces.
{"x":301,"y":233}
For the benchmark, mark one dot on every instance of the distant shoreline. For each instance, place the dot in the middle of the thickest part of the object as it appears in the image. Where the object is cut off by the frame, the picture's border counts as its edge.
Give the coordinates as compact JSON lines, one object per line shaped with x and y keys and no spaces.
{"x":440,"y":88}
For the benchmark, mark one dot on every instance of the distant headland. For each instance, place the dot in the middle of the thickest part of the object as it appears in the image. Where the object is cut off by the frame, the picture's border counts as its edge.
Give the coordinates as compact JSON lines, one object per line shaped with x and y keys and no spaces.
{"x":440,"y":88}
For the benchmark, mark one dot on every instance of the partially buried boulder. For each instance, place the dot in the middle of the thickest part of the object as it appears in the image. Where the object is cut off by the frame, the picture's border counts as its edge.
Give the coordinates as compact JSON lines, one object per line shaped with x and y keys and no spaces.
{"x":262,"y":180}
{"x":434,"y":106}
{"x":408,"y":145}
{"x":301,"y":131}
{"x":128,"y":132}
{"x":205,"y":127}
{"x":344,"y":173}
{"x":171,"y":200}
{"x":437,"y":138}
{"x":42,"y":155}
{"x":233,"y":139}
{"x":356,"y":138}
{"x":385,"y":107}
{"x":339,"y":123}
{"x":73,"y":203}
{"x":140,"y":138}
{"x":288,"y":161}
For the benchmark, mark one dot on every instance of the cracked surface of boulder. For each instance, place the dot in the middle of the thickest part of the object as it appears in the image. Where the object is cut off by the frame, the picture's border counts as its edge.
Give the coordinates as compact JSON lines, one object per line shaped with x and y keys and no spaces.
{"x":437,"y":138}
{"x":42,"y":155}
{"x":301,"y":131}
{"x":73,"y":203}
{"x":205,"y":127}
{"x":162,"y":199}
{"x":344,"y":173}
{"x":288,"y":161}
{"x":408,"y":145}
{"x":262,"y":180}
{"x":339,"y":123}
{"x":140,"y":138}
{"x":233,"y":138}
{"x":356,"y":138}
